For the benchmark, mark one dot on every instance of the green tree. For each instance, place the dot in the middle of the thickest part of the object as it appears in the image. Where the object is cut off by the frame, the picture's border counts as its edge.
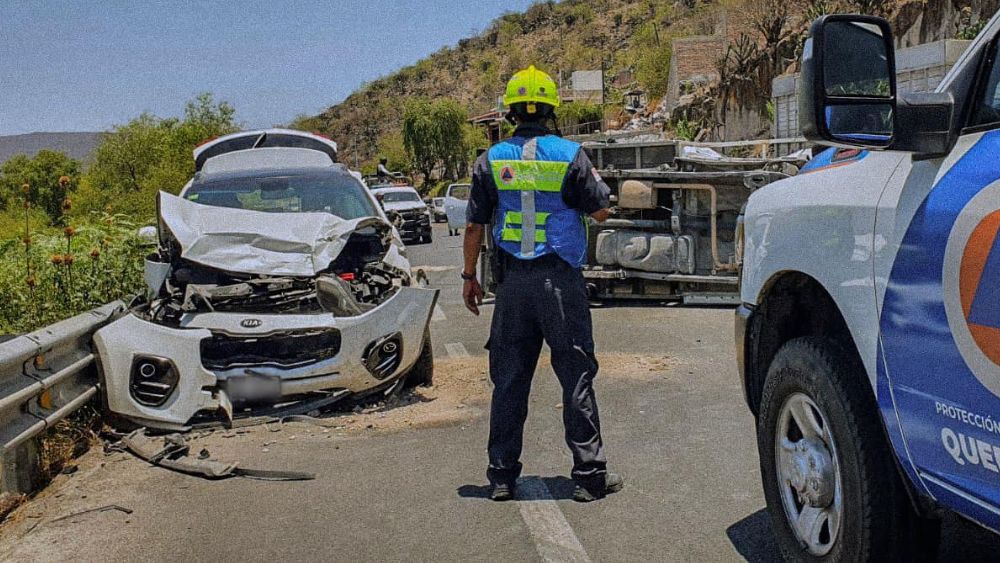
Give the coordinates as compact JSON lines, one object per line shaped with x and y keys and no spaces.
{"x":420,"y":136}
{"x":450,"y":120}
{"x":435,"y":134}
{"x":392,"y":148}
{"x":652,"y":59}
{"x":149,"y":154}
{"x":50,"y":176}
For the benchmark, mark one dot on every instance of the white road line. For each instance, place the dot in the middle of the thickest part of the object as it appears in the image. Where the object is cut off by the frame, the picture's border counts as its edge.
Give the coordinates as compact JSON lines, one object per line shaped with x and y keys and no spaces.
{"x":554,"y":538}
{"x":438,"y":314}
{"x":456,"y":350}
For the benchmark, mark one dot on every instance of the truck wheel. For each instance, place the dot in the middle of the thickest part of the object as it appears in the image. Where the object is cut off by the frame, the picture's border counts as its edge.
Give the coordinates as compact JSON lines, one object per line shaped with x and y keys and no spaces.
{"x":829,"y":478}
{"x":422,"y":372}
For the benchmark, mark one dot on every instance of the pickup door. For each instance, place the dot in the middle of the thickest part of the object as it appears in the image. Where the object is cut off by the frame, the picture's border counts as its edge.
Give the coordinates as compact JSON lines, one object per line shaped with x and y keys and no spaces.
{"x":455,"y":203}
{"x":937,"y":273}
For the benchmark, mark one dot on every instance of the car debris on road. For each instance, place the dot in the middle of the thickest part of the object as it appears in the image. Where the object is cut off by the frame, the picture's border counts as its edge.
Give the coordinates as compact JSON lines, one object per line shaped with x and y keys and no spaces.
{"x":172,"y":452}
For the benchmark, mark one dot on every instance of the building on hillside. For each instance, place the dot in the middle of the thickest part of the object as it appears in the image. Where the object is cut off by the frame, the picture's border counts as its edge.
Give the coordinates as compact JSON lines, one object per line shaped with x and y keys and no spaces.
{"x":492,"y":122}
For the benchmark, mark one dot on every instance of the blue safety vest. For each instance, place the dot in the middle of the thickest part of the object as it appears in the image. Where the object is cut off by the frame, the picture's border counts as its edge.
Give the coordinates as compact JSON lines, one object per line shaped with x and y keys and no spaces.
{"x":532,"y":219}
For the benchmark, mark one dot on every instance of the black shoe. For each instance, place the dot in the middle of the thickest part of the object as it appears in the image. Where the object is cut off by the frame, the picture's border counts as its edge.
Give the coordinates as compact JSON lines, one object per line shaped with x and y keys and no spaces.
{"x":612,"y":484}
{"x":501,"y":492}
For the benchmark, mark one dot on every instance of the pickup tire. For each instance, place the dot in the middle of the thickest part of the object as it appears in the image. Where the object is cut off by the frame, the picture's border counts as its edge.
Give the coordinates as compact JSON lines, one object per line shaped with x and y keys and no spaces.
{"x":832,"y":477}
{"x":422,"y":372}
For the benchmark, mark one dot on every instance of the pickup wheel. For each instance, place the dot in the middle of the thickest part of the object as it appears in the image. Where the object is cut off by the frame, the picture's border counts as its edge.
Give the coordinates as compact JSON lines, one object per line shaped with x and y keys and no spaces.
{"x":422,"y":372}
{"x":829,"y":478}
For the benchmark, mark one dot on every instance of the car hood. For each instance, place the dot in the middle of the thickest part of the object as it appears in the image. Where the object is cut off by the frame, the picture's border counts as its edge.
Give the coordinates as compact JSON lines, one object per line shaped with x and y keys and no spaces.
{"x":257,"y":242}
{"x":403,"y":206}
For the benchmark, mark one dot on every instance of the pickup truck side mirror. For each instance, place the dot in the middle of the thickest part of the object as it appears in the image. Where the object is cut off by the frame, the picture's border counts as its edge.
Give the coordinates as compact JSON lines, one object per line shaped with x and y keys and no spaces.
{"x":848,"y":91}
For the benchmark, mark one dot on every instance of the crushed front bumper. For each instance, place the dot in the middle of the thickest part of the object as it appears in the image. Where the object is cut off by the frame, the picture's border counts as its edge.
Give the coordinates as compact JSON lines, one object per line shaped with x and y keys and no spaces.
{"x":162,"y":377}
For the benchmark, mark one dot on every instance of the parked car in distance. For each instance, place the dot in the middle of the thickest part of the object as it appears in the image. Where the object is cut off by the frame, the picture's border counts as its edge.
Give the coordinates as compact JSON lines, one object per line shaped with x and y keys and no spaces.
{"x":456,"y":200}
{"x":438,"y":211}
{"x":414,"y":221}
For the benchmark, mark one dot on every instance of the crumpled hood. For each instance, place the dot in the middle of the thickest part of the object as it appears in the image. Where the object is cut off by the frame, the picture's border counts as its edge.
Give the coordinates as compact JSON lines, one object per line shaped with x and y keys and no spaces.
{"x":257,"y":242}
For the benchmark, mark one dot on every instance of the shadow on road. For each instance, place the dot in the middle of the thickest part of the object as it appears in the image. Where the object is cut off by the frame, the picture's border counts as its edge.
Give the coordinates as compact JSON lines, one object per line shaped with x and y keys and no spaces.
{"x":753,"y":539}
{"x":961,"y":540}
{"x":560,"y":487}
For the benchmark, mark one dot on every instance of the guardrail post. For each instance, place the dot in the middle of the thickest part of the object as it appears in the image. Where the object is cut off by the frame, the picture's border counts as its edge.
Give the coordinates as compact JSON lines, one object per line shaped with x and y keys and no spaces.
{"x":22,"y":468}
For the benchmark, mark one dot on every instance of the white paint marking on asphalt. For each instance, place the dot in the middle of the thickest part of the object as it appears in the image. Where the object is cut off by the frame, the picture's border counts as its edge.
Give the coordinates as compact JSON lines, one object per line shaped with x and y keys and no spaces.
{"x":456,"y":350}
{"x":438,"y":314}
{"x":554,"y":538}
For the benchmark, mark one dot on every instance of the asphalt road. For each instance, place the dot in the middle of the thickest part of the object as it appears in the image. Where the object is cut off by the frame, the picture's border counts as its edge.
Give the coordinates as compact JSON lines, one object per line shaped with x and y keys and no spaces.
{"x":675,"y":427}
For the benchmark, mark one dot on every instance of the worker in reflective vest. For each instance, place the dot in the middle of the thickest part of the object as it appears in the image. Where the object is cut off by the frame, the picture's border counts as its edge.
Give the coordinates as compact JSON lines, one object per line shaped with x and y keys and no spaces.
{"x":537,"y":190}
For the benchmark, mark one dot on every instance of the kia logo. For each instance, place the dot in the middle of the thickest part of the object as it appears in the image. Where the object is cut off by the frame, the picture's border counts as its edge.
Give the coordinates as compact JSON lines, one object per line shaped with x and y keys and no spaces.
{"x":251,"y":323}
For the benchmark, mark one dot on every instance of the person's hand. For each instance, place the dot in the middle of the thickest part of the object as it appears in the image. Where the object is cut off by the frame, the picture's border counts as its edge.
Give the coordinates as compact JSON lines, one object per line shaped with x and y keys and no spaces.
{"x":472,"y":293}
{"x":601,"y":215}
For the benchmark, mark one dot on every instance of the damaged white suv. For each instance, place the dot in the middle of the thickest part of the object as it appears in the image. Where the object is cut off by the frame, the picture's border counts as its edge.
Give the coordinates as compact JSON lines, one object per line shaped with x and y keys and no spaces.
{"x":278,"y":278}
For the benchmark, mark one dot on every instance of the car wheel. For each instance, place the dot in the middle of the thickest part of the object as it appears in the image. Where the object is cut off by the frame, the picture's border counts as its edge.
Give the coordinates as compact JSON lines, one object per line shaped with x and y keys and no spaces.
{"x":832,"y":488}
{"x":428,"y":237}
{"x":422,"y":372}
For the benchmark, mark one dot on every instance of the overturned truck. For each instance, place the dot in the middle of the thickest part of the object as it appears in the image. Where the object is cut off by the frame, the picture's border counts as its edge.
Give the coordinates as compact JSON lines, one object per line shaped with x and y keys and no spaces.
{"x":675,"y":231}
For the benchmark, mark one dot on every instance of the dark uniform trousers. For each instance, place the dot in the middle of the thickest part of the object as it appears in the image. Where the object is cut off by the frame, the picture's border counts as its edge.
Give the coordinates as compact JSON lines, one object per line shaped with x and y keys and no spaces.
{"x":538,"y":299}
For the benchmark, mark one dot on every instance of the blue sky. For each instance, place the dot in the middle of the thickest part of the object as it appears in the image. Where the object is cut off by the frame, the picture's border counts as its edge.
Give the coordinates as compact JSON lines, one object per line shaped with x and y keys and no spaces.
{"x":87,"y":65}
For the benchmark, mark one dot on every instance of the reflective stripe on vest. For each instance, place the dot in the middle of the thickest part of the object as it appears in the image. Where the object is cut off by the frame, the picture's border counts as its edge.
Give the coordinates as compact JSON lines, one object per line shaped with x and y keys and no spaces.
{"x":527,"y":176}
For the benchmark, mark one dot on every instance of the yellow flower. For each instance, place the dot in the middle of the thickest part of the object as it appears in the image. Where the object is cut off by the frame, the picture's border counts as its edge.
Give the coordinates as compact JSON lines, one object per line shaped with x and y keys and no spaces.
{"x":95,"y":253}
{"x":70,"y":232}
{"x":67,"y":204}
{"x":68,"y":259}
{"x":57,"y":259}
{"x":25,"y":187}
{"x":63,"y":180}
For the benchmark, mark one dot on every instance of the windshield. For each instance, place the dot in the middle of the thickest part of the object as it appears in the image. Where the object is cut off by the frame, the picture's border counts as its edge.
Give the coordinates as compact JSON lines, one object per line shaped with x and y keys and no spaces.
{"x":460,"y":191}
{"x":439,"y":201}
{"x":338,"y":194}
{"x":394,"y":197}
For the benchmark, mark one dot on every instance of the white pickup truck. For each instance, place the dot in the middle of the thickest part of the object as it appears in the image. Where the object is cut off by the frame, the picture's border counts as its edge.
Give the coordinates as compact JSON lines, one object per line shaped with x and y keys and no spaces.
{"x":868,"y":338}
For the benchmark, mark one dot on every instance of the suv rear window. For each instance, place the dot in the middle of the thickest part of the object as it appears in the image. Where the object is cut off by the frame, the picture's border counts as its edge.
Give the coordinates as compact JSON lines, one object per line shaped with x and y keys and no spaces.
{"x":393,"y":197}
{"x":459,"y":192}
{"x":338,"y":194}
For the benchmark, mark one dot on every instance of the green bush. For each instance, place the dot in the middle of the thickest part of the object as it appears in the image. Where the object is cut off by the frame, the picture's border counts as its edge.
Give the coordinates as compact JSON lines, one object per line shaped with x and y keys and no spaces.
{"x":47,"y":277}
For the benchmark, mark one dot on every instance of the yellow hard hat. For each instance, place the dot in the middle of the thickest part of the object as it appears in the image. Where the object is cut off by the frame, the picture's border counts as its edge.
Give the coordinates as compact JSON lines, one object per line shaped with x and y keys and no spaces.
{"x":533,"y":86}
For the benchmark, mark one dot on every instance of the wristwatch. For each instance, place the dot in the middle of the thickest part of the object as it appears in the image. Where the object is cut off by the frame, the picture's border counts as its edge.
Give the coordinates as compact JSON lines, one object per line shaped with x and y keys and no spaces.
{"x":468,"y":277}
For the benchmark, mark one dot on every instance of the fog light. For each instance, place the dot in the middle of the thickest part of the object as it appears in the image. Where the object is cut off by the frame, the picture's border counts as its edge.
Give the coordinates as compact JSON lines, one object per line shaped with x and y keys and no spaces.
{"x":383,"y":356}
{"x":152,"y":380}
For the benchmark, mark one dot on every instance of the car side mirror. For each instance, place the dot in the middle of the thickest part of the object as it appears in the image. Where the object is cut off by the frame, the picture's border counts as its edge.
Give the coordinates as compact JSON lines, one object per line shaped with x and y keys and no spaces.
{"x":848,"y":82}
{"x":848,"y":92}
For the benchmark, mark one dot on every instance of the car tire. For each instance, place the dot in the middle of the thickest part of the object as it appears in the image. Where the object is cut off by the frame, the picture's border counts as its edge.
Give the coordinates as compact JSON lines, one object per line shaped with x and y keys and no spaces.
{"x":836,"y":472}
{"x":422,"y":372}
{"x":427,"y":238}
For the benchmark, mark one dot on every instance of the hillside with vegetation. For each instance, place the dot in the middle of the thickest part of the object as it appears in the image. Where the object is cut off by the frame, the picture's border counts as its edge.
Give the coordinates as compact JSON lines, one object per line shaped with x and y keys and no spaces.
{"x":559,"y":37}
{"x":627,"y":38}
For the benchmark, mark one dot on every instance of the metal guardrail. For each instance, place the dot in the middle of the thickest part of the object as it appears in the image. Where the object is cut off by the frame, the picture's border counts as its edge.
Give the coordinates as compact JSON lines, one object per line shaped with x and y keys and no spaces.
{"x":44,"y":376}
